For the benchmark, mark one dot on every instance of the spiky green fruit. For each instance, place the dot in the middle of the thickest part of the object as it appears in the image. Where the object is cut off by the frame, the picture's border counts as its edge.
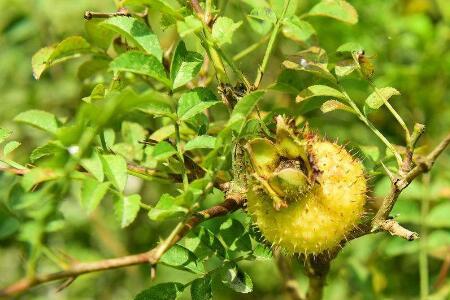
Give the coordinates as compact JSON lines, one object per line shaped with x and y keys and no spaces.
{"x":306,"y":193}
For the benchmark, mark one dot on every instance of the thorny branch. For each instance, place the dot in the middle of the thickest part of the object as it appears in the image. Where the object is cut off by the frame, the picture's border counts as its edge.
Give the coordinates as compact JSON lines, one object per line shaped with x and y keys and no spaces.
{"x":150,"y":257}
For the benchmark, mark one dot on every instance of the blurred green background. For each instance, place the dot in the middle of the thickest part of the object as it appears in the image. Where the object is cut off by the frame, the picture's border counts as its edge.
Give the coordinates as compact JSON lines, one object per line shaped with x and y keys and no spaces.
{"x":410,"y":42}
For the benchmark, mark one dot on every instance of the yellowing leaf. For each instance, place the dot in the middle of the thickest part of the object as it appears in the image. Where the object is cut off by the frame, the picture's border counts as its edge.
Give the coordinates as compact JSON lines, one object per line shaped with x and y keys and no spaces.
{"x":377,"y":98}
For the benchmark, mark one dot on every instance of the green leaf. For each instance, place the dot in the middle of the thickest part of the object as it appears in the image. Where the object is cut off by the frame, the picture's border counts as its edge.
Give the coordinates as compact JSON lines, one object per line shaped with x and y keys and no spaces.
{"x":244,"y":107}
{"x":185,"y":65}
{"x":166,"y":207}
{"x":201,"y":142}
{"x":115,"y":168}
{"x":261,"y":19}
{"x":92,"y":193}
{"x":332,"y":105}
{"x":261,"y":252}
{"x":299,"y":30}
{"x":278,"y":7}
{"x":40,"y":119}
{"x":234,"y":235}
{"x":97,"y":93}
{"x":236,"y":279}
{"x":94,"y":166}
{"x":157,"y":5}
{"x":140,"y":63}
{"x":345,"y":67}
{"x":162,"y":291}
{"x":126,"y":209}
{"x":10,"y":147}
{"x":38,"y":175}
{"x":313,"y":60}
{"x":138,"y":32}
{"x":190,"y":24}
{"x":4,"y":134}
{"x":223,"y":29}
{"x":8,"y":226}
{"x":163,"y":150}
{"x":205,"y":243}
{"x":156,"y":103}
{"x":201,"y":288}
{"x":349,"y":48}
{"x":195,"y":102}
{"x":179,"y":257}
{"x":337,"y":9}
{"x":163,"y":133}
{"x":71,"y":47}
{"x":264,"y":14}
{"x":377,"y":98}
{"x":51,"y":148}
{"x":319,"y":91}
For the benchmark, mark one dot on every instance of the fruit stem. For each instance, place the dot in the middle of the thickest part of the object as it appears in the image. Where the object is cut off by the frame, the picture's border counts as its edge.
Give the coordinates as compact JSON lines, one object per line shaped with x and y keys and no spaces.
{"x":317,"y":270}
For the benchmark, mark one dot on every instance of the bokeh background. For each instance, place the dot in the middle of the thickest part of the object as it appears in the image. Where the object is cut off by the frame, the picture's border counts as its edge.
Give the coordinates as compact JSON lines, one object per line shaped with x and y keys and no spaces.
{"x":410,"y":44}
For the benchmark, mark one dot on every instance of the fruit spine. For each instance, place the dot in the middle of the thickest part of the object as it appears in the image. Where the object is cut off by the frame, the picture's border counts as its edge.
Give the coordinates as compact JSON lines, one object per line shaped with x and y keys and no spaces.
{"x":305,"y":194}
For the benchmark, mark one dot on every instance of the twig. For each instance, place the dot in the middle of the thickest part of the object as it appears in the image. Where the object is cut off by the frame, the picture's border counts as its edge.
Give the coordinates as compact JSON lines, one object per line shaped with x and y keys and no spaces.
{"x":443,"y":272}
{"x":396,"y":229}
{"x":197,"y":9}
{"x":88,"y":15}
{"x":401,"y":183}
{"x":151,"y":257}
{"x":14,"y":171}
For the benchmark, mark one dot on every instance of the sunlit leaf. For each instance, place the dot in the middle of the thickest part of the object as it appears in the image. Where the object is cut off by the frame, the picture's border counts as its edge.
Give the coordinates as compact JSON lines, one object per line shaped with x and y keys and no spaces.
{"x":115,"y":168}
{"x":92,"y":193}
{"x":140,"y":63}
{"x":332,"y":105}
{"x":185,"y":65}
{"x":195,"y":102}
{"x":319,"y":91}
{"x":201,"y":288}
{"x":40,"y":119}
{"x":379,"y":96}
{"x":10,"y":147}
{"x":162,"y":291}
{"x":299,"y":30}
{"x":71,"y":47}
{"x":163,"y":150}
{"x":337,"y":9}
{"x":237,"y":280}
{"x":166,"y":208}
{"x":38,"y":175}
{"x":244,"y":107}
{"x":201,"y":142}
{"x":138,"y":32}
{"x":94,"y":166}
{"x":4,"y":134}
{"x":126,"y":209}
{"x":223,"y":29}
{"x":180,"y":257}
{"x":189,"y":25}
